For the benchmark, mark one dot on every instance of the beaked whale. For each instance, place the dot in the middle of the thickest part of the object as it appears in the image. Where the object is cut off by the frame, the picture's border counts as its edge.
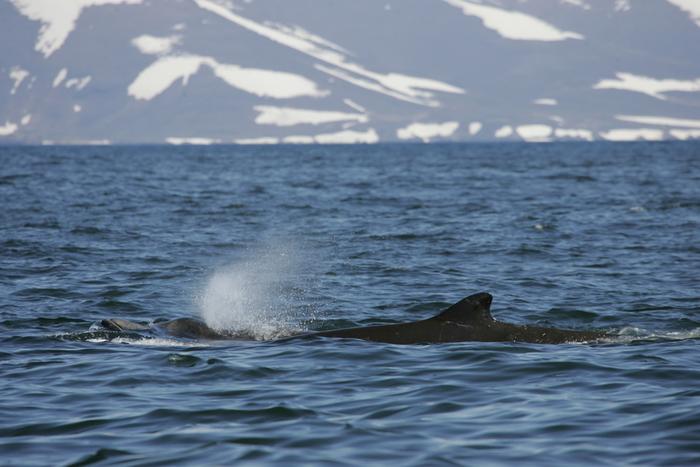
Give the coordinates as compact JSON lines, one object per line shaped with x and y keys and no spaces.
{"x":467,"y":320}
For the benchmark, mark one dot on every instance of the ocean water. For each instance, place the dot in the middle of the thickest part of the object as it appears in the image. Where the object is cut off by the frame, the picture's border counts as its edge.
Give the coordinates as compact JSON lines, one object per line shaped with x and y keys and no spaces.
{"x":272,"y":241}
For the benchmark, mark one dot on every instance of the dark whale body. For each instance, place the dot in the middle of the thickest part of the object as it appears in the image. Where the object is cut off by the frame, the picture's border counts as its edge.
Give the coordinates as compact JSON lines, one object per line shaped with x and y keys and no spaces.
{"x":467,"y":320}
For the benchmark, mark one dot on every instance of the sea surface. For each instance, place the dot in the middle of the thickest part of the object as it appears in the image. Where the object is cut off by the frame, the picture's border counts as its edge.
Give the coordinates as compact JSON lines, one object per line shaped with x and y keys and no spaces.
{"x":274,"y":241}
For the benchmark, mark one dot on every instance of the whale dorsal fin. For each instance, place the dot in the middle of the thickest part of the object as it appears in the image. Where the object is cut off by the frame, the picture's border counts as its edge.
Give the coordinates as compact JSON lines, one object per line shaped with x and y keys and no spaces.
{"x":474,"y":308}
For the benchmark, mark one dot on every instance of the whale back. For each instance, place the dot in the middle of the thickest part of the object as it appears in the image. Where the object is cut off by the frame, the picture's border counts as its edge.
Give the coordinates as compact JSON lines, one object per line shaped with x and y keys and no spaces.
{"x":470,"y":310}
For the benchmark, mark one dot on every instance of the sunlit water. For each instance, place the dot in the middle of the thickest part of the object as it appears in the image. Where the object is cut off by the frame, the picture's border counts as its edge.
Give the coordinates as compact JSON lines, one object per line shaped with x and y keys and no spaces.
{"x":273,"y":241}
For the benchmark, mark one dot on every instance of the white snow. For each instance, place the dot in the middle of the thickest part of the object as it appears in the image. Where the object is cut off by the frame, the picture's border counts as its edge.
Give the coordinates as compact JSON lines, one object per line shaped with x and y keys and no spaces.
{"x":78,"y":83}
{"x":342,"y":137}
{"x":574,"y":133}
{"x":60,"y":77}
{"x":154,"y":45}
{"x":534,"y":133}
{"x":369,"y":85}
{"x":348,"y":137}
{"x":427,"y":131}
{"x":557,"y":119}
{"x":474,"y":128}
{"x":267,"y":83}
{"x":77,"y":108}
{"x":287,"y":116}
{"x":354,"y":105}
{"x":298,"y":139}
{"x":545,"y":101}
{"x":303,"y":34}
{"x":8,"y":128}
{"x":663,"y":121}
{"x":692,"y":7}
{"x":627,"y":134}
{"x":17,"y":74}
{"x":649,"y":86}
{"x":191,"y":140}
{"x":579,"y":3}
{"x":622,"y":5}
{"x":399,"y":86}
{"x":58,"y":18}
{"x":263,"y":140}
{"x":162,"y":73}
{"x":685,"y":134}
{"x":513,"y":24}
{"x":504,"y":132}
{"x":81,"y":142}
{"x":26,"y":120}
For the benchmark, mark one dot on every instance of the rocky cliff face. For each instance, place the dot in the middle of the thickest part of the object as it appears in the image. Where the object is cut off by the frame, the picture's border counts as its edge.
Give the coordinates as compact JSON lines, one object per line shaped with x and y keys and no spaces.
{"x":345,"y":71}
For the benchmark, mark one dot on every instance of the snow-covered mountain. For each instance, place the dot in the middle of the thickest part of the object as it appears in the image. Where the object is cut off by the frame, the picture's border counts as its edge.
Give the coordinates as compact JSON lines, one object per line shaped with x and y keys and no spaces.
{"x":343,"y":71}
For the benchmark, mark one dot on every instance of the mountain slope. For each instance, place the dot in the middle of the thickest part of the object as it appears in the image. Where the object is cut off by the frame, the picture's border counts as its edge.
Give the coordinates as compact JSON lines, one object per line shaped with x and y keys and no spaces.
{"x":128,"y":71}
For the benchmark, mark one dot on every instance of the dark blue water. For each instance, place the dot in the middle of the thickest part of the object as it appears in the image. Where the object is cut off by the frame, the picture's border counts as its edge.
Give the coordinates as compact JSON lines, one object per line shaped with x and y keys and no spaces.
{"x":278,"y":240}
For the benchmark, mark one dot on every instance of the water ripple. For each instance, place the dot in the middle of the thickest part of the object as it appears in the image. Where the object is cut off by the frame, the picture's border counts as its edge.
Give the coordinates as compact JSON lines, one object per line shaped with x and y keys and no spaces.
{"x":581,"y":236}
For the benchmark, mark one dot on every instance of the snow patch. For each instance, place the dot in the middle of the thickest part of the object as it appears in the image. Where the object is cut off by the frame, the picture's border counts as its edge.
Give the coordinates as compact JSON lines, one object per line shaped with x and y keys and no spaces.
{"x":77,"y":108}
{"x":692,"y":7}
{"x":685,"y":134}
{"x":649,"y":86}
{"x":369,"y":85}
{"x":579,"y":3}
{"x":266,"y":83}
{"x":191,"y":140}
{"x":663,"y":121}
{"x":60,"y":77}
{"x":78,"y":83}
{"x":77,"y":142}
{"x":8,"y":128}
{"x":154,"y":45}
{"x":342,"y":137}
{"x":534,"y":133}
{"x":399,"y":86}
{"x":298,"y":139}
{"x":427,"y":131}
{"x":17,"y":74}
{"x":263,"y":140}
{"x":474,"y":128}
{"x":504,"y":132}
{"x":287,"y":116}
{"x":573,"y":133}
{"x":26,"y":120}
{"x":545,"y":101}
{"x":513,"y":24}
{"x":348,"y":137}
{"x":354,"y":105}
{"x":626,"y":134}
{"x":622,"y":5}
{"x":557,"y":119}
{"x":305,"y":35}
{"x":58,"y":18}
{"x":162,"y":73}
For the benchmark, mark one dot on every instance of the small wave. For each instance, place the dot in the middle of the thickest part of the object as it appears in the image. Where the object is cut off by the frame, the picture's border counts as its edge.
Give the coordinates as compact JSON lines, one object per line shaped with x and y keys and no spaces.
{"x":148,"y":341}
{"x":88,"y":230}
{"x":634,"y":334}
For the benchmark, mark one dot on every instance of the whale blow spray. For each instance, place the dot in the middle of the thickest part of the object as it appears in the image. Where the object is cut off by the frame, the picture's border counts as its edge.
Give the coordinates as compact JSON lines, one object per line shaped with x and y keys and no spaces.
{"x":259,"y":296}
